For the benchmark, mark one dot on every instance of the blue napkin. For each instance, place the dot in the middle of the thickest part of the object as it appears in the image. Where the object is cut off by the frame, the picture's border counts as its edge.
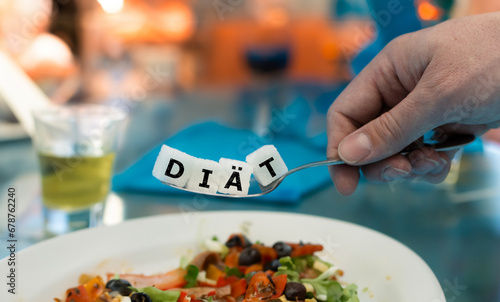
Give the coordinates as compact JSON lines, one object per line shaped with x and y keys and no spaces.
{"x":210,"y":140}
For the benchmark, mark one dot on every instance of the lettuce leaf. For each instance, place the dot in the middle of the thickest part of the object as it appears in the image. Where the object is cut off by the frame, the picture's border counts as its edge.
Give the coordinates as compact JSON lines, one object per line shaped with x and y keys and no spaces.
{"x":233,"y":271}
{"x":158,"y":295}
{"x":191,"y":276}
{"x":288,"y":268}
{"x":326,"y":289}
{"x":350,"y":294}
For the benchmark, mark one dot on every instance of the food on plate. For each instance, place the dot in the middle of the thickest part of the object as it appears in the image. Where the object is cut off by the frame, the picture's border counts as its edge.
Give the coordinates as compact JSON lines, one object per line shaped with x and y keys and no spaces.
{"x":235,"y":271}
{"x":227,"y":176}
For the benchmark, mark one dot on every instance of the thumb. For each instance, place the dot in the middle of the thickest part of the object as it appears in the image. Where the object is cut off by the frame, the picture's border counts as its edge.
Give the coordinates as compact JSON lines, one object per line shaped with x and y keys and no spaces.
{"x":389,"y":133}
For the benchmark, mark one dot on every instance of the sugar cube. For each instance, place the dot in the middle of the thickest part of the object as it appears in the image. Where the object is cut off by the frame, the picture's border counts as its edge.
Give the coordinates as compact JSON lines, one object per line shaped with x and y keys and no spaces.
{"x":237,"y":177}
{"x":173,"y":166}
{"x":267,"y":164}
{"x":206,"y":176}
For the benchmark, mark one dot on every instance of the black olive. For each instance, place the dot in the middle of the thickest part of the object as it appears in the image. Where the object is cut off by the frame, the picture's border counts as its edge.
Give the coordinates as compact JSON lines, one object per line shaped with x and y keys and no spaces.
{"x":238,"y":240}
{"x":282,"y":249}
{"x":140,"y":297}
{"x":120,"y":286}
{"x":295,"y":291}
{"x":249,"y":256}
{"x":272,"y":265}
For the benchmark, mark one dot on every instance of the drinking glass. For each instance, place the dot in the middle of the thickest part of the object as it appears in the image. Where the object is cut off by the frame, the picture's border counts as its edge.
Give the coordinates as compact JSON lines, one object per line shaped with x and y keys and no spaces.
{"x":76,"y":148}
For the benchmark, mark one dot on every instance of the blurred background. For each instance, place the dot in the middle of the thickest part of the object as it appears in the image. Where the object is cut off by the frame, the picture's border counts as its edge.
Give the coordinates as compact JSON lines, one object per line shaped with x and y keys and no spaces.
{"x":220,"y":78}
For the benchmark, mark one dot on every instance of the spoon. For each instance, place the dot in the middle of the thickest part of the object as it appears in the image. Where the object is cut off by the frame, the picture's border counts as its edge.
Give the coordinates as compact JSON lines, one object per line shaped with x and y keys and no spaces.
{"x":451,"y":142}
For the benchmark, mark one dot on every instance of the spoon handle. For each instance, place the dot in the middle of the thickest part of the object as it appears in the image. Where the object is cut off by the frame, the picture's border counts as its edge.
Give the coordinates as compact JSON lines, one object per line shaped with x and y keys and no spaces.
{"x":450,"y":142}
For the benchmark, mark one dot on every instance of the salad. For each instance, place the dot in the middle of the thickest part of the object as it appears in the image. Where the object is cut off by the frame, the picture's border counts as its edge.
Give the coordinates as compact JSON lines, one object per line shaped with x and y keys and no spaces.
{"x":235,"y":271}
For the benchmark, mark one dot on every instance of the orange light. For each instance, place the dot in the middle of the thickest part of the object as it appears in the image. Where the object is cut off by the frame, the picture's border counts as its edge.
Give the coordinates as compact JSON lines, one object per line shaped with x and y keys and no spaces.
{"x":111,"y":6}
{"x":176,"y":21}
{"x":275,"y":17}
{"x":428,"y":12}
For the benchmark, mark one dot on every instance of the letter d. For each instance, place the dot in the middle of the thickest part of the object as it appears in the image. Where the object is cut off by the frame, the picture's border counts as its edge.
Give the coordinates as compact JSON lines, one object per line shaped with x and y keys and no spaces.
{"x":171,"y":163}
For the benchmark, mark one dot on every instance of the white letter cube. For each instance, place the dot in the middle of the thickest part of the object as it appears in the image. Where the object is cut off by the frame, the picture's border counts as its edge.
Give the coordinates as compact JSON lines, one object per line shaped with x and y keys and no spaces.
{"x":206,"y":176}
{"x":267,"y":164}
{"x":173,"y":166}
{"x":236,"y":177}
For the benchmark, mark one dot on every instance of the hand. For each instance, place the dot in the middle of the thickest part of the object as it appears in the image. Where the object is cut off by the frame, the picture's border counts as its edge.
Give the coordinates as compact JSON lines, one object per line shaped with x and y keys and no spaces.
{"x":446,"y":76}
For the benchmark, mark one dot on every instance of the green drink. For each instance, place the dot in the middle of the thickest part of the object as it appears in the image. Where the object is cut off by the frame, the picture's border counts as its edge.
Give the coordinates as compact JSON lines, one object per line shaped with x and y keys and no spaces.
{"x":75,"y":183}
{"x":76,"y":147}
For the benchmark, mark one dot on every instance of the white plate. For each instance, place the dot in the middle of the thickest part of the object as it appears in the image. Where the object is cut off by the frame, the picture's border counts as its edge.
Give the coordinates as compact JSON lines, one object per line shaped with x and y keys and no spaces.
{"x":384,"y":269}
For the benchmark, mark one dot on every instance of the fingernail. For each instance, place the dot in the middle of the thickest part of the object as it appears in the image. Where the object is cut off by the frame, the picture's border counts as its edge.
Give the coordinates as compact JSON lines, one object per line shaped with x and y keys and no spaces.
{"x":416,"y":156}
{"x":427,"y":164}
{"x":355,"y":147}
{"x":440,"y":168}
{"x":391,"y":173}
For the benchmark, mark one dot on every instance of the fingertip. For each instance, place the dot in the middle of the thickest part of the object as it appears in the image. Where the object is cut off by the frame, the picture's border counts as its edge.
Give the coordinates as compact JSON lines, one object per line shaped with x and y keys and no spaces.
{"x":439,"y":174}
{"x":355,"y":147}
{"x":425,"y":160}
{"x":345,"y":178}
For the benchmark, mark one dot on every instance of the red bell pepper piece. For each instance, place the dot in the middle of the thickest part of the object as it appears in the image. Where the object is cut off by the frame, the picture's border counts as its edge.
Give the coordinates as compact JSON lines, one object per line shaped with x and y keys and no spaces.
{"x":254,"y":268}
{"x":304,"y":249}
{"x":266,"y":253}
{"x":223,"y":281}
{"x":212,"y":293}
{"x":260,"y":287}
{"x":279,"y":285}
{"x":183,"y":297}
{"x":238,"y":288}
{"x":232,"y":259}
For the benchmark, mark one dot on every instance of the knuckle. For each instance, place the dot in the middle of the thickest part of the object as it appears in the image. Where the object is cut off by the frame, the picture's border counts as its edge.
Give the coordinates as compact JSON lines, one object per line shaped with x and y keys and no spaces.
{"x":397,"y":42}
{"x":389,"y":129}
{"x":331,"y":115}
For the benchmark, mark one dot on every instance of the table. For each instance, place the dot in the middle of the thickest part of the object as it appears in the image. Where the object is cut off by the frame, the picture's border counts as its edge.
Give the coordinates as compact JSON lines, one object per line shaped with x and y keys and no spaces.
{"x":454,"y":228}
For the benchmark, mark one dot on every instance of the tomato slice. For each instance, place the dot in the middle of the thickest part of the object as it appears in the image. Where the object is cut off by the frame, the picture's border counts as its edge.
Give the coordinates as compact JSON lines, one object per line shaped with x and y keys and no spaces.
{"x":172,"y":279}
{"x":77,"y":294}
